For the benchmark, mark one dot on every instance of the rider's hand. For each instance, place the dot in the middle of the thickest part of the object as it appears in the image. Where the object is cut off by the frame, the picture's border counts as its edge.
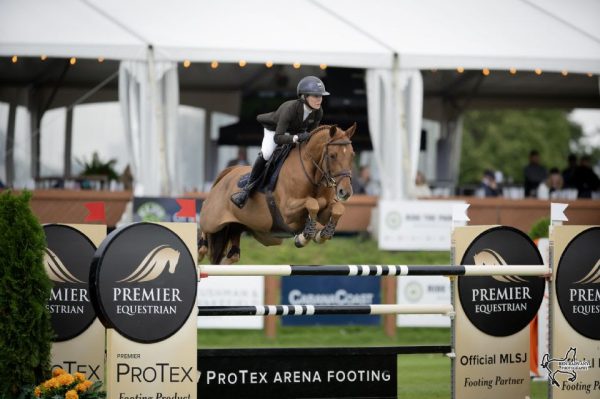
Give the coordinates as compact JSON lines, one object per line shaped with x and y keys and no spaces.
{"x":299,"y":138}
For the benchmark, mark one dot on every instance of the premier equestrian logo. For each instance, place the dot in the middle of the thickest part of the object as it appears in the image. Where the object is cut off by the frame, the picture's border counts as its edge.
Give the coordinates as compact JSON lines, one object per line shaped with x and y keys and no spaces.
{"x":67,"y":260}
{"x":578,"y":283}
{"x":501,"y":305}
{"x":144,"y":282}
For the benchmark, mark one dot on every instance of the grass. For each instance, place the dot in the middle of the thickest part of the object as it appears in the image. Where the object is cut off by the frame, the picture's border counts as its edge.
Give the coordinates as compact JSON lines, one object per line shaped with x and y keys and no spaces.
{"x":419,"y":376}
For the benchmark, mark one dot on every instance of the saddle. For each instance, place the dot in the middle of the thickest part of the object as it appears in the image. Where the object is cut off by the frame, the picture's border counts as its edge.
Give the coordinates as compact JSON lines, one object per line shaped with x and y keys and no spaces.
{"x":266,"y":185}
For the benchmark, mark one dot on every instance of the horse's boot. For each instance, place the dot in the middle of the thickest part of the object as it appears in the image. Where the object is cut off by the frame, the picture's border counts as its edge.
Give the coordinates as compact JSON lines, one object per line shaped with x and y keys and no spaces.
{"x":241,"y":197}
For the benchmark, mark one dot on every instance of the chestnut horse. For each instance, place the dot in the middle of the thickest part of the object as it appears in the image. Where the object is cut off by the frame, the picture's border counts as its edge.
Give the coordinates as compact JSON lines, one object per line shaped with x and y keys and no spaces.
{"x":313,"y":182}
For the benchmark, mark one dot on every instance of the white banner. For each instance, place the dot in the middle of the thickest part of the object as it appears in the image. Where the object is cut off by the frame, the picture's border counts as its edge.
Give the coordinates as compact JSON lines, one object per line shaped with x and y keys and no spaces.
{"x":231,"y":291}
{"x":415,"y":225}
{"x":423,"y":290}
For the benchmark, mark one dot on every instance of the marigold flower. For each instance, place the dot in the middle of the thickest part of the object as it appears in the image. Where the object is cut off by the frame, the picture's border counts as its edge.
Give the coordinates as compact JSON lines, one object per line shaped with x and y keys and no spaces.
{"x":80,"y":377}
{"x":57,"y":371}
{"x":37,"y":392}
{"x":87,"y":383}
{"x":72,"y":394}
{"x":51,"y":383}
{"x":65,"y":379}
{"x":81,"y":387}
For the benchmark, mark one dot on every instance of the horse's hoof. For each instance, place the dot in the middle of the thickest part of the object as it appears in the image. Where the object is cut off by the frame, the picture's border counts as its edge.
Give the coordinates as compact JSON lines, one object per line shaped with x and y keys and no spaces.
{"x":320,"y":239}
{"x":226,"y":261}
{"x":202,"y":251}
{"x":300,"y":241}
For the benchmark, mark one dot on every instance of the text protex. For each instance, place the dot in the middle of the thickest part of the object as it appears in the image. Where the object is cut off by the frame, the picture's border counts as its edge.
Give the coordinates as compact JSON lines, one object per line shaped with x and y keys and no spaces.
{"x":146,"y":294}
{"x":500,"y":294}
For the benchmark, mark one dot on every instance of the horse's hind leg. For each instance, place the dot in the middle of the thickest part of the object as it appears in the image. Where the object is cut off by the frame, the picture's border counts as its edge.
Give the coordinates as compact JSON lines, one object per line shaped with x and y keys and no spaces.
{"x":202,"y":247}
{"x":310,"y":228}
{"x":233,"y":255}
{"x":337,"y":210}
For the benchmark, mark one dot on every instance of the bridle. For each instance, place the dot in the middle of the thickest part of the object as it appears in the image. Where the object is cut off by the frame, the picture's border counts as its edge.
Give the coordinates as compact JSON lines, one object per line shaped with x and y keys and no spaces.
{"x":323,"y":166}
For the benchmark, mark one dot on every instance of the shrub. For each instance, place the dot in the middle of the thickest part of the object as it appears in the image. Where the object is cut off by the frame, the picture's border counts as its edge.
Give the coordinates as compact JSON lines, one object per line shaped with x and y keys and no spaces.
{"x":540,"y":229}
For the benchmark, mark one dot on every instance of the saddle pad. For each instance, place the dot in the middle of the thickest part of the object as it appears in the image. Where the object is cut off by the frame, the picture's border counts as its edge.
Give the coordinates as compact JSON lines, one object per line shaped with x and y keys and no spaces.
{"x":269,"y":178}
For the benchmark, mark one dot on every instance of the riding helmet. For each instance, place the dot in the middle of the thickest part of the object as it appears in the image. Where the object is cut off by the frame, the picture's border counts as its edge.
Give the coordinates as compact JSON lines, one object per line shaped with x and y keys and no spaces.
{"x":311,"y":85}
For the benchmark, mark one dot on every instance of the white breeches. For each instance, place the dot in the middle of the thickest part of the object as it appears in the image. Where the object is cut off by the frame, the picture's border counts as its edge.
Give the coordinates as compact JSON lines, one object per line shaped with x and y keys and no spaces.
{"x":268,"y":145}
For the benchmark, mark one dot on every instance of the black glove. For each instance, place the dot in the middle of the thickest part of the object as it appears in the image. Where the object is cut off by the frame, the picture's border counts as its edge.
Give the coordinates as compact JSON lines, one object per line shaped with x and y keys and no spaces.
{"x":303,"y":137}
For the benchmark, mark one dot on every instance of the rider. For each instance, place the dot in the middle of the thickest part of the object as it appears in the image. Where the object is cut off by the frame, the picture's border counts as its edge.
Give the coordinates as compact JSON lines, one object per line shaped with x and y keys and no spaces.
{"x":291,"y":123}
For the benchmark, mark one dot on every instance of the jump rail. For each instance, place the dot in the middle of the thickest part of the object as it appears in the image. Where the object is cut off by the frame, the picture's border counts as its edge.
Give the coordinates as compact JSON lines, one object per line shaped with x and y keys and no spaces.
{"x":309,"y":310}
{"x":373,"y":270}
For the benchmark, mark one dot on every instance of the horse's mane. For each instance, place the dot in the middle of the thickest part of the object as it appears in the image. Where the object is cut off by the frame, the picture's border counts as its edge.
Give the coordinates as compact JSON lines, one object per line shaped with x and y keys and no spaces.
{"x":222,"y":174}
{"x":326,"y":127}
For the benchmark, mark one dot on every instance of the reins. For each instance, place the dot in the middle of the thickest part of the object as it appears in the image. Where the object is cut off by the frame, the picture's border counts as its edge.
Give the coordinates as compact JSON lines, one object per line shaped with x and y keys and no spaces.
{"x":325,"y":171}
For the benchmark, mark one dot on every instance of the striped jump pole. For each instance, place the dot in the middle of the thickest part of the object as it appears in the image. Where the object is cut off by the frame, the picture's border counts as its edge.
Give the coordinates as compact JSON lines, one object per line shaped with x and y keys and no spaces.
{"x":373,"y":270}
{"x":311,"y":310}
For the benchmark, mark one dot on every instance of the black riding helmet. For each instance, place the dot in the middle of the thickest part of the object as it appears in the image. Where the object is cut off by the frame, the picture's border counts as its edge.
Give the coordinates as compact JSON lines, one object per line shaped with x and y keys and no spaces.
{"x":311,"y":85}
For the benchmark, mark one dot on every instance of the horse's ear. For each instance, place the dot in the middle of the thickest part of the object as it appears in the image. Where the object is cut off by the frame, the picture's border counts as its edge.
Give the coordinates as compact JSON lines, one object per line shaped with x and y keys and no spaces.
{"x":332,"y":130}
{"x":351,"y":130}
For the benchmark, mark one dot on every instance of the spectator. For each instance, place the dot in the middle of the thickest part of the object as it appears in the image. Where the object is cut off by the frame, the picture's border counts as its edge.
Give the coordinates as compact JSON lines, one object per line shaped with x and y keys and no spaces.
{"x":421,"y":188}
{"x":489,"y":185}
{"x":550,"y":187}
{"x":586,"y":181}
{"x":568,"y":173}
{"x":2,"y":184}
{"x":366,"y":185}
{"x":241,"y":159}
{"x":534,"y":174}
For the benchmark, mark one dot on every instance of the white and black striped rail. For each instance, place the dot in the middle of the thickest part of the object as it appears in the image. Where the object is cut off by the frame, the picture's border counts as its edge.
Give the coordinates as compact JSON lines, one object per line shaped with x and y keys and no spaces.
{"x":311,"y":310}
{"x":373,"y":270}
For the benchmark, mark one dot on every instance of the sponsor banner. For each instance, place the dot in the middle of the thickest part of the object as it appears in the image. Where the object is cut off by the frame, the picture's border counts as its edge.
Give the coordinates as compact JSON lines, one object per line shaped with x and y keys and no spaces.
{"x":161,"y":209}
{"x":423,"y":290}
{"x":143,"y":285}
{"x":231,"y":291}
{"x":491,"y":338}
{"x":415,"y":225}
{"x":79,"y":337}
{"x":307,"y":373}
{"x":573,"y":366}
{"x":330,"y":290}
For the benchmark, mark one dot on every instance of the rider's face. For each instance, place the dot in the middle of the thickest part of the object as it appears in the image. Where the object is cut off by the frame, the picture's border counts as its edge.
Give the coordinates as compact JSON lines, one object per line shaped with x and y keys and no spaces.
{"x":314,"y":101}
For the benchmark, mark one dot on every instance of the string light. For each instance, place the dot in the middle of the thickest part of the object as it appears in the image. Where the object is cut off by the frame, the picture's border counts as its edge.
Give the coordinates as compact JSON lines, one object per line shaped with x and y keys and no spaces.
{"x":269,"y":64}
{"x":297,"y":65}
{"x":538,"y":71}
{"x":101,"y":59}
{"x":242,"y":63}
{"x":14,"y":59}
{"x":186,"y":63}
{"x":589,"y":74}
{"x":485,"y":72}
{"x":513,"y":71}
{"x":73,"y":61}
{"x":214,"y":65}
{"x":43,"y":57}
{"x":564,"y":72}
{"x":460,"y":69}
{"x":433,"y":70}
{"x":323,"y":66}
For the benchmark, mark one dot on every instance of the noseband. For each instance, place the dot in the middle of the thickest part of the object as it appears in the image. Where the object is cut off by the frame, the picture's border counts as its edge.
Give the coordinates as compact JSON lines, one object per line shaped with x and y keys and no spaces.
{"x":327,"y":179}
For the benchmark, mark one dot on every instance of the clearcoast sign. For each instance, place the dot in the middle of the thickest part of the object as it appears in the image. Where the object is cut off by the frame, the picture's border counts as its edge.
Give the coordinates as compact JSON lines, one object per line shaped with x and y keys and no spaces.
{"x":144,"y":282}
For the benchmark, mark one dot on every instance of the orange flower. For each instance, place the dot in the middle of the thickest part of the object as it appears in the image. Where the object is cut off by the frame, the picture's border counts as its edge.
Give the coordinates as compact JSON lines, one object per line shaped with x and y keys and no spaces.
{"x":80,"y":377}
{"x":51,"y":383}
{"x":65,"y":379}
{"x":72,"y":394}
{"x":87,"y":383}
{"x":81,"y":387}
{"x":57,"y":371}
{"x":37,"y":392}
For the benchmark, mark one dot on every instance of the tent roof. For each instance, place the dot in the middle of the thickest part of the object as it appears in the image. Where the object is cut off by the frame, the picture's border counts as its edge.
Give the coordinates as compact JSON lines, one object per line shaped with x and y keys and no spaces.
{"x":553,"y":35}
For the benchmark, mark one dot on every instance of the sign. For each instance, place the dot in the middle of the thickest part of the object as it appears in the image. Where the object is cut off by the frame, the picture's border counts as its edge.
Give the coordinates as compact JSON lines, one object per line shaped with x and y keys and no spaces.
{"x":231,"y":291}
{"x":143,"y":285}
{"x":162,"y":209}
{"x":491,"y":334}
{"x":330,"y":290}
{"x":415,"y":225}
{"x":573,"y":366}
{"x":79,"y":336}
{"x":298,"y":373}
{"x":423,"y":290}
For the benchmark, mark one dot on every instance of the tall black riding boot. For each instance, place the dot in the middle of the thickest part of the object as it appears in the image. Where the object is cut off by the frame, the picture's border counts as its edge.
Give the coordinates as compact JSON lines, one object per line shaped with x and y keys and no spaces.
{"x":240,"y":198}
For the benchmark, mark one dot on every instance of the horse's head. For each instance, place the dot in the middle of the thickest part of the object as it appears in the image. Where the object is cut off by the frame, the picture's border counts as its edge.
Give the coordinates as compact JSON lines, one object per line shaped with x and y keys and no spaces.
{"x":336,"y":161}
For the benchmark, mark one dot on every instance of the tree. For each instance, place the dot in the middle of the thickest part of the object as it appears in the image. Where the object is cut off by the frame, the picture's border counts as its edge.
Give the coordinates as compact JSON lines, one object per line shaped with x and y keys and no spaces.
{"x":501,"y":140}
{"x":25,"y":329}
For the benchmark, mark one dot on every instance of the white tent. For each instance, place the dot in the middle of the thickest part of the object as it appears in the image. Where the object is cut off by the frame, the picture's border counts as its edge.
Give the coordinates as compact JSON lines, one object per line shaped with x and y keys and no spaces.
{"x":395,"y":40}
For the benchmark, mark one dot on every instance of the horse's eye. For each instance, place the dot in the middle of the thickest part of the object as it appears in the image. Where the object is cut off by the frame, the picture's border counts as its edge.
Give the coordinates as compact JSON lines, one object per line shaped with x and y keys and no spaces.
{"x":333,"y":156}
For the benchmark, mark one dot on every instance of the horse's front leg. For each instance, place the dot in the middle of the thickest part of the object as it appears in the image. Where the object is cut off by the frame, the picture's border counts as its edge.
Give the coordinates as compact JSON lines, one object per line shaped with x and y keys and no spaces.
{"x":337,"y":210}
{"x":310,"y":228}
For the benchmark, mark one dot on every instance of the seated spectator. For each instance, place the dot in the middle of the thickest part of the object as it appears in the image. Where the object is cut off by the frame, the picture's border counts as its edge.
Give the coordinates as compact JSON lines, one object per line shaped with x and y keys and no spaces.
{"x":568,"y":174}
{"x":586,"y":181}
{"x":421,"y":188}
{"x":364,"y":183}
{"x":551,"y":186}
{"x":241,"y":159}
{"x":534,"y":174}
{"x":489,"y":185}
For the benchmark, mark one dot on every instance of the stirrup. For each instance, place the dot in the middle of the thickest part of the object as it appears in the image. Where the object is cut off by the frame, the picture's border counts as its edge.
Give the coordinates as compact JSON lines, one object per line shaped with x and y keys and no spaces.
{"x":240,"y":198}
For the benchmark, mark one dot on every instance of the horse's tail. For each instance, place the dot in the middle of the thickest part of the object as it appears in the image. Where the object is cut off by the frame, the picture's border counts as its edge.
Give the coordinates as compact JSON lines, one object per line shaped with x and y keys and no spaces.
{"x":217,"y":244}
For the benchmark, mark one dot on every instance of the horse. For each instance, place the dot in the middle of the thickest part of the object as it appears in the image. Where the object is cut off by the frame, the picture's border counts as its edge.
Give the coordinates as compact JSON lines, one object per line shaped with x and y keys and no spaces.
{"x":314,"y":180}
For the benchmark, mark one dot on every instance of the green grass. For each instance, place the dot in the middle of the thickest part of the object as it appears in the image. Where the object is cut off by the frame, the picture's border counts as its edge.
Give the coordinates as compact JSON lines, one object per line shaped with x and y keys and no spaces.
{"x":419,"y":376}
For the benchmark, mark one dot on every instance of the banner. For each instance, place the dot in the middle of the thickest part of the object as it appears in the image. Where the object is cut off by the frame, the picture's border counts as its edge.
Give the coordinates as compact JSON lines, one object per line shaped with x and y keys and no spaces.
{"x":423,"y":290}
